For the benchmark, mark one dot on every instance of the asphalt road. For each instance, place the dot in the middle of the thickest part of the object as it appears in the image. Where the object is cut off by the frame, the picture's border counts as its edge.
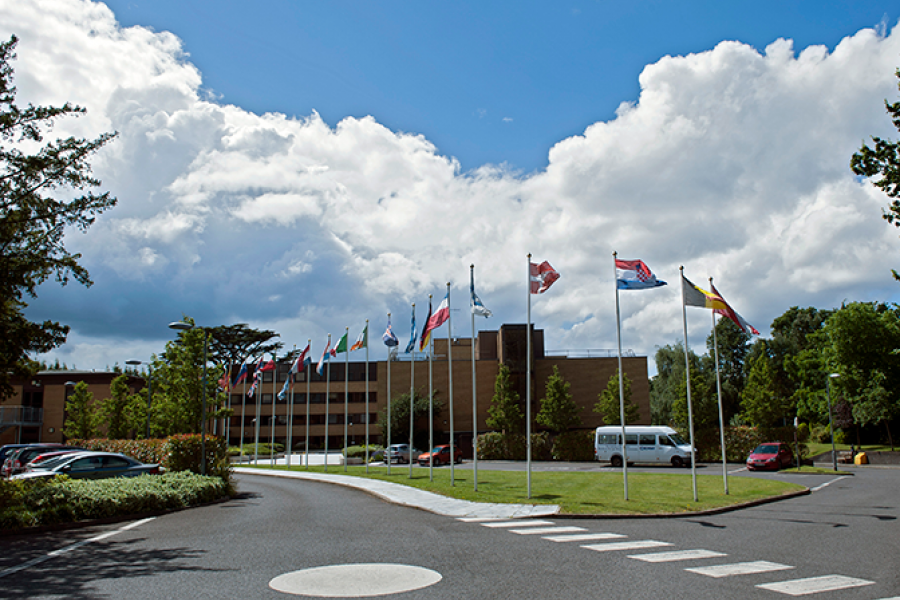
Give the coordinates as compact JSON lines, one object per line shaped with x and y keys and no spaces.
{"x":847,"y":528}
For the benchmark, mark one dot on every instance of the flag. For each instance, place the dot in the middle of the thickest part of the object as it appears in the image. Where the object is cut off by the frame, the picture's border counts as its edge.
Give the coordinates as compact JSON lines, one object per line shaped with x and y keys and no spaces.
{"x":732,"y":314}
{"x":241,"y":376}
{"x":301,"y":361}
{"x":426,"y":336}
{"x":542,"y":277}
{"x":694,"y":296}
{"x":635,"y":275}
{"x":341,"y":345}
{"x":325,"y":356}
{"x":225,"y":379}
{"x":412,"y":330}
{"x":478,"y":309}
{"x":390,"y":340}
{"x":362,"y":341}
{"x":257,"y":372}
{"x":436,"y":320}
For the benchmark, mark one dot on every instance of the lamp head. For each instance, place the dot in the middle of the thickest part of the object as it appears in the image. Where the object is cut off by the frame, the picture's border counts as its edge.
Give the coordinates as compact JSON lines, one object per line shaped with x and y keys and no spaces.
{"x":180,"y":326}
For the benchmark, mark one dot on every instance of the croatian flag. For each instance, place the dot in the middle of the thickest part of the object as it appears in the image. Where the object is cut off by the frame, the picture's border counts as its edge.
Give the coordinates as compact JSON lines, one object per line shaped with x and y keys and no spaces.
{"x":635,"y":275}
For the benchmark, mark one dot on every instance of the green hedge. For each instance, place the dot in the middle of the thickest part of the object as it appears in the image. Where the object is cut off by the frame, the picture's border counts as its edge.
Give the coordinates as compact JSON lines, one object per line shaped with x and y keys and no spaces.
{"x":574,"y":446}
{"x":494,"y":445}
{"x":37,"y":502}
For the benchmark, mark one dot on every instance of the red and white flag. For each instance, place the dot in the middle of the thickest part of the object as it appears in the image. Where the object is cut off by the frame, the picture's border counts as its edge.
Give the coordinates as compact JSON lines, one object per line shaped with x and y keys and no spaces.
{"x":542,"y":277}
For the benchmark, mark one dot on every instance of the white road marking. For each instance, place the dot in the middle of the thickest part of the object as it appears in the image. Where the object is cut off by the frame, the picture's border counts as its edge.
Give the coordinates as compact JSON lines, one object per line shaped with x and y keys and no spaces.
{"x":584,"y":537}
{"x":634,"y":545}
{"x":521,"y":523}
{"x":744,"y":568}
{"x":546,"y":530}
{"x":814,"y":585}
{"x":64,"y":550}
{"x":827,"y":483}
{"x":677,"y":555}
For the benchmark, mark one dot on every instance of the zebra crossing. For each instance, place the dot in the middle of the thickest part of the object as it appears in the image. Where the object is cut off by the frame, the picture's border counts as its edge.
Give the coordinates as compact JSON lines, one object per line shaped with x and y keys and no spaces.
{"x":618,"y":542}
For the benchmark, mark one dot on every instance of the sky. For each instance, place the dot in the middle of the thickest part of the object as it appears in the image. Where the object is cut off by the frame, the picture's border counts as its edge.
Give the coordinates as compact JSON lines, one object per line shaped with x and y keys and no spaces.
{"x":305,"y":167}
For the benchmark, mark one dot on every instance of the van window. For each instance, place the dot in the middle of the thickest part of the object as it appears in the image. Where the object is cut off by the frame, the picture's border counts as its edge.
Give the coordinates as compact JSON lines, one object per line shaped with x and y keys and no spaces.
{"x":631,"y":438}
{"x":679,"y":441}
{"x":665,"y":441}
{"x":607,"y":438}
{"x":648,"y":439}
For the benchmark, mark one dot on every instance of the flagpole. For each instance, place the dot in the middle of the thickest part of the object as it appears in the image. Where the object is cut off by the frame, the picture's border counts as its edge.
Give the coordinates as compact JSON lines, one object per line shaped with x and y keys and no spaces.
{"x":290,"y":423}
{"x":346,"y":392}
{"x":367,"y":396}
{"x":528,"y":380}
{"x":450,"y":374}
{"x":474,"y":401}
{"x":430,"y":406}
{"x":387,"y":446}
{"x":719,"y":392}
{"x":621,"y":383}
{"x":327,"y":398}
{"x":258,"y":394}
{"x":274,"y":403}
{"x":412,"y":379}
{"x":243,"y":412}
{"x":687,"y":376}
{"x":308,"y":375}
{"x":228,"y":406}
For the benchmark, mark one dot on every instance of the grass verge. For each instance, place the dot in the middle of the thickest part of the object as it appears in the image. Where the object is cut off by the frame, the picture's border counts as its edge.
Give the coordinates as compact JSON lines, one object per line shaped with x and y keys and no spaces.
{"x":581,"y":492}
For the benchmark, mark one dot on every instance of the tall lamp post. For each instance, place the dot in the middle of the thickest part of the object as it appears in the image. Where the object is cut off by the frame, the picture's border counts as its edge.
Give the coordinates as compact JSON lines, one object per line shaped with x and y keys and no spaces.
{"x":182,"y":326}
{"x":830,"y":419}
{"x":135,"y":363}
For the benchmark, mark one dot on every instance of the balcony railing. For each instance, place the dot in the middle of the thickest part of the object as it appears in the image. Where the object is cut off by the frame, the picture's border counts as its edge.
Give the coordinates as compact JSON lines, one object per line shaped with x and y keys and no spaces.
{"x":21,"y":415}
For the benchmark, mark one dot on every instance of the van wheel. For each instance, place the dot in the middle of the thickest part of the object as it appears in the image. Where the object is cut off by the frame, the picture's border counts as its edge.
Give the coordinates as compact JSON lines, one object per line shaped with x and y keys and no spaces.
{"x":677,"y":462}
{"x":616,"y":461}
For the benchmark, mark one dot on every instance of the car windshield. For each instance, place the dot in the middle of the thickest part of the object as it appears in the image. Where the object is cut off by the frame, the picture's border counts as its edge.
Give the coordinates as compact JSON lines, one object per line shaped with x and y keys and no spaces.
{"x":679,"y":441}
{"x":766,"y":449}
{"x":437,"y":448}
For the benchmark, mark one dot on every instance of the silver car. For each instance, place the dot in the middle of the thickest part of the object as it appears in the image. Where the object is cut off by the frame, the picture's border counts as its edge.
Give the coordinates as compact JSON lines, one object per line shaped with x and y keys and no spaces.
{"x":400,"y":453}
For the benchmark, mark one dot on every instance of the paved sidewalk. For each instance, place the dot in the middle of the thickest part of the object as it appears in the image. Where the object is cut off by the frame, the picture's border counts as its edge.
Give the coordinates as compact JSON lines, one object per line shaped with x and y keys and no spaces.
{"x":407,"y":496}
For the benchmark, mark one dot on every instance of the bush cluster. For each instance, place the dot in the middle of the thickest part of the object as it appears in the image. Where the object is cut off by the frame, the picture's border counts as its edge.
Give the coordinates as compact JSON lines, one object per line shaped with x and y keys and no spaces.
{"x":574,"y":446}
{"x":37,"y":502}
{"x":494,"y":445}
{"x":360,"y":451}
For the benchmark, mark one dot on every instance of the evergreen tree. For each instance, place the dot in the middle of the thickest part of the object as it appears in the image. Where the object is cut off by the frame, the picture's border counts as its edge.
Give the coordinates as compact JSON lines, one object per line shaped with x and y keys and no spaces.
{"x":505,"y":412}
{"x":81,"y":414}
{"x":559,"y":412}
{"x":608,"y":402}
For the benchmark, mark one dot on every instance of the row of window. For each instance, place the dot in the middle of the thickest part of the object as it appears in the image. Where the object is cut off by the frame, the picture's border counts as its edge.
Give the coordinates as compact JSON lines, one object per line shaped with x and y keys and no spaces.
{"x":314,"y":398}
{"x":356,"y":372}
{"x":644,"y":439}
{"x":266,"y":420}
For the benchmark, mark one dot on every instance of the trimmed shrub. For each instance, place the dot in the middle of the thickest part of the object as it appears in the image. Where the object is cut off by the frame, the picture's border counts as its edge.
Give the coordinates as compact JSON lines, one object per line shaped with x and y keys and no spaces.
{"x":360,"y":451}
{"x":494,"y":445}
{"x":574,"y":446}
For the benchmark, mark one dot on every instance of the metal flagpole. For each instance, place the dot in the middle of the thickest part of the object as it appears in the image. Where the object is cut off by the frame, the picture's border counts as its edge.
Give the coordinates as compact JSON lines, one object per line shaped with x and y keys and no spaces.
{"x":367,"y":395}
{"x":528,"y":379}
{"x":719,"y":391}
{"x":346,"y":393}
{"x":388,"y":445}
{"x":621,"y":383}
{"x":258,"y":395}
{"x":687,"y":376}
{"x":327,"y":399}
{"x":308,"y":374}
{"x":412,"y":395}
{"x":243,"y":412}
{"x":474,"y":401}
{"x":225,"y":420}
{"x":274,"y":402}
{"x":430,"y":352}
{"x":450,"y":374}
{"x":290,"y":423}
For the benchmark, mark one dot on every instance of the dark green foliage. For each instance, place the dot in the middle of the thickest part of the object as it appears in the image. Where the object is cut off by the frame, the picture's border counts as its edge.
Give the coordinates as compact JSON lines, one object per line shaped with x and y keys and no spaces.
{"x":609,"y":406}
{"x":505,"y":413}
{"x":574,"y":446}
{"x":495,"y":445}
{"x":233,"y":344}
{"x":34,"y":217}
{"x":400,"y":419}
{"x":81,"y":414}
{"x":559,"y":412}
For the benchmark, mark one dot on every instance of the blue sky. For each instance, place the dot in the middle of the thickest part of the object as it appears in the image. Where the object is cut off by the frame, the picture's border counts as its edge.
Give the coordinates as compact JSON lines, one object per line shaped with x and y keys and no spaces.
{"x":304,"y":167}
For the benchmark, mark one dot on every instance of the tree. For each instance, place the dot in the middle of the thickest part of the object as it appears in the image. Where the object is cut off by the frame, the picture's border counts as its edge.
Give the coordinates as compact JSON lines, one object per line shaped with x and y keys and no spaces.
{"x":81,"y":414}
{"x":608,"y":402}
{"x":733,"y":345}
{"x":123,"y":413}
{"x":559,"y":412}
{"x":400,"y":418}
{"x":35,"y":217}
{"x":883,"y":159}
{"x":762,"y":405}
{"x":505,"y":412}
{"x":233,"y":344}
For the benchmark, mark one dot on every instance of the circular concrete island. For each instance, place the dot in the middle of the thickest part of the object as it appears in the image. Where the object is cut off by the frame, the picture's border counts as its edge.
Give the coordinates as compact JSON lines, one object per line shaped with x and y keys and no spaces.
{"x":355,"y":580}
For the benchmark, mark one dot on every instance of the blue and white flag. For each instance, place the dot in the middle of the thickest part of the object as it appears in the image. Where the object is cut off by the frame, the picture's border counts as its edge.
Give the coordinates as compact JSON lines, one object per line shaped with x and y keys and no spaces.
{"x":412,"y":333}
{"x":390,"y":340}
{"x":478,"y":309}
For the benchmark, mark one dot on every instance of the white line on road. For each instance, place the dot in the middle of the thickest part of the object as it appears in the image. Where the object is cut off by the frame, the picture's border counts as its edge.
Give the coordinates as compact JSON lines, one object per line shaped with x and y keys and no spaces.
{"x":677,"y":555}
{"x":546,"y":530}
{"x":814,"y":585}
{"x":635,"y":545}
{"x":60,"y":551}
{"x":584,"y":537}
{"x":745,"y":568}
{"x":827,"y":483}
{"x":521,"y":523}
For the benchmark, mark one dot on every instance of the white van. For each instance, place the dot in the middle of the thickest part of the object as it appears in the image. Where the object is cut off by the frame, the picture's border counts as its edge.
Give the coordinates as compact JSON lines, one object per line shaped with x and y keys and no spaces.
{"x":644,"y":444}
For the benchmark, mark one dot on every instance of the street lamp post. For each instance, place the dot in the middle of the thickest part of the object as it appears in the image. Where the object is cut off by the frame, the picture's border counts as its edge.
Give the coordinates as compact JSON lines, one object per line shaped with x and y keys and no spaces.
{"x":182,"y":326}
{"x":135,"y":363}
{"x":830,"y":419}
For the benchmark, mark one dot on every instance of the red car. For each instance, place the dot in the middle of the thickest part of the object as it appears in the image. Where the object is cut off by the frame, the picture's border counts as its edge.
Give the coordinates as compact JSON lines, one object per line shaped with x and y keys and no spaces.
{"x":441,"y":455}
{"x":770,"y":456}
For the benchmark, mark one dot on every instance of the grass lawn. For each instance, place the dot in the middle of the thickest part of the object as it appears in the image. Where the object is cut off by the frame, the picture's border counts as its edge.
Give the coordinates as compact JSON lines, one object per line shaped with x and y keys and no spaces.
{"x":816,"y":448}
{"x":580,"y":492}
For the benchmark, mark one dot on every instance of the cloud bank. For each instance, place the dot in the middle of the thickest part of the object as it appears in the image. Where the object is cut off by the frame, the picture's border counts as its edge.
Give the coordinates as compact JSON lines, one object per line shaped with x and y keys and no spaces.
{"x":731,"y":162}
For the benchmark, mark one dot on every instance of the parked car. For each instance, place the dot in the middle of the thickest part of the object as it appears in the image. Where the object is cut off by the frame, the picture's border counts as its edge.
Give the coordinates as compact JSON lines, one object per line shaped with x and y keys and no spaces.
{"x":770,"y":456}
{"x":8,"y":449}
{"x":19,"y":457}
{"x":441,"y":455}
{"x":54,"y":453}
{"x":91,"y":465}
{"x":400,"y":453}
